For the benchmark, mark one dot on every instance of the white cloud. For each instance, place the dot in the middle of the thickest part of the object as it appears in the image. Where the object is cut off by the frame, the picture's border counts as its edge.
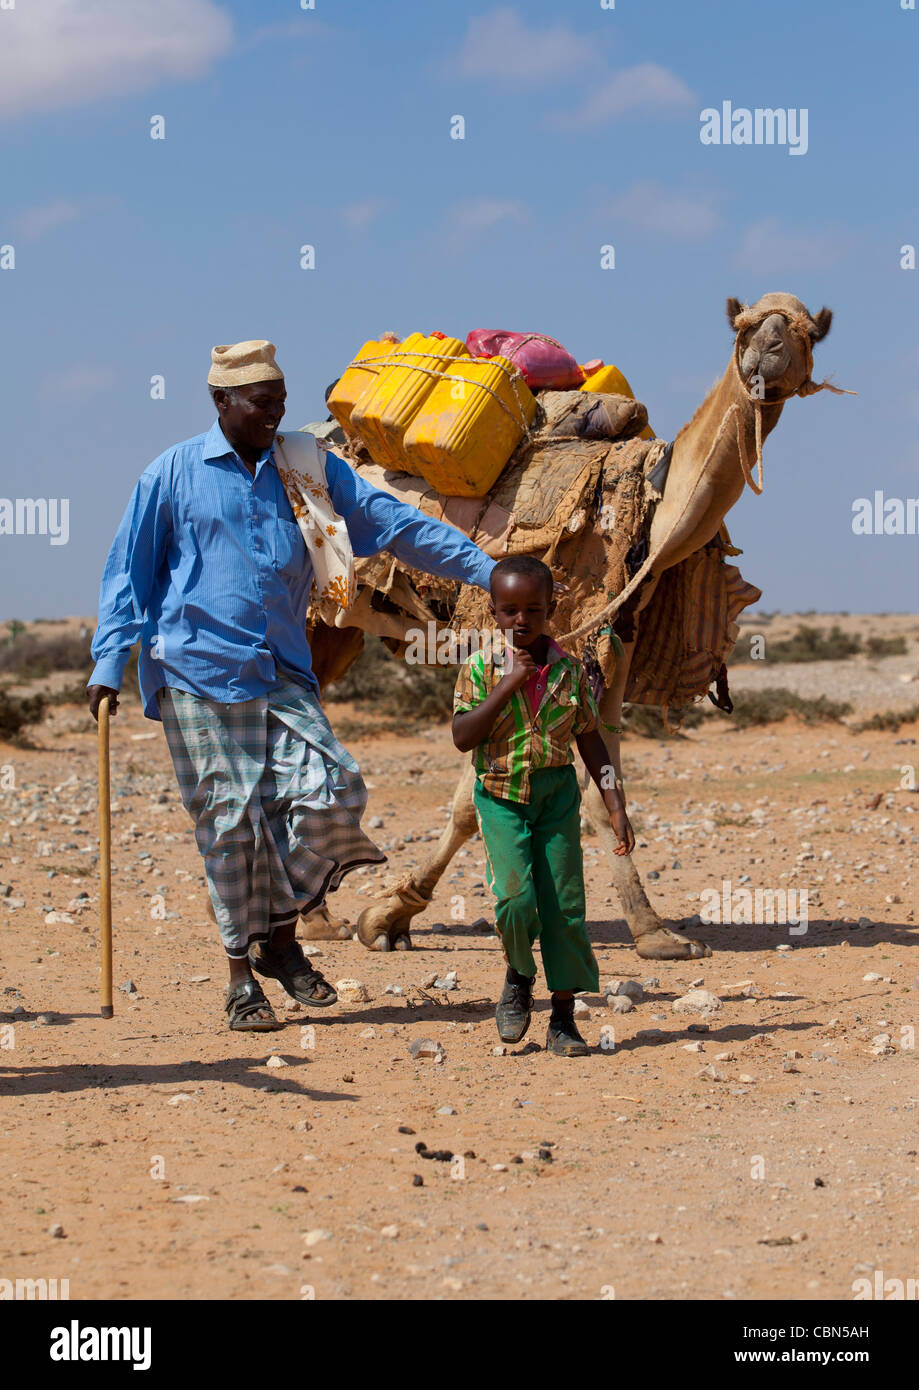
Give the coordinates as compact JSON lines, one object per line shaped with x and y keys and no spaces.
{"x":500,"y":45}
{"x":653,"y":208}
{"x":468,"y":219}
{"x":74,"y":383}
{"x":357,"y":217}
{"x":62,"y":53}
{"x":34,"y":222}
{"x":767,"y":249}
{"x":646,"y":85}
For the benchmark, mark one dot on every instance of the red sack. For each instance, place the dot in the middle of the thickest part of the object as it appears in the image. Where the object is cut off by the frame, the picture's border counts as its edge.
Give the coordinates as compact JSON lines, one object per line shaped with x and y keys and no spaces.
{"x":542,"y":361}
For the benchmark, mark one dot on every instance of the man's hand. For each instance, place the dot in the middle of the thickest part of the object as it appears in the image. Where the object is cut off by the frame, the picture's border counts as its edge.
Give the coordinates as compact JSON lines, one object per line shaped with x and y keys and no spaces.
{"x":95,"y":695}
{"x":522,"y":668}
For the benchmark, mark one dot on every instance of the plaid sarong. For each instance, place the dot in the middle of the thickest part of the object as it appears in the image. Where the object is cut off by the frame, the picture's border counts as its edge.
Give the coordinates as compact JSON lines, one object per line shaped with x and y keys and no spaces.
{"x":276,"y":801}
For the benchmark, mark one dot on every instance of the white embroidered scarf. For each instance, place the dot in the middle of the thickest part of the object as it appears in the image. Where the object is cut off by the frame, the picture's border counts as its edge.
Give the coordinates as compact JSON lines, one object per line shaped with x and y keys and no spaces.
{"x":300,"y":460}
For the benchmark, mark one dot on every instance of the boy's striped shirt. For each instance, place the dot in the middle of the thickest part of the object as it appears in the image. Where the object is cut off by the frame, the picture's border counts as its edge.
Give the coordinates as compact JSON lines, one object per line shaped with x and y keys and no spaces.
{"x":520,"y":743}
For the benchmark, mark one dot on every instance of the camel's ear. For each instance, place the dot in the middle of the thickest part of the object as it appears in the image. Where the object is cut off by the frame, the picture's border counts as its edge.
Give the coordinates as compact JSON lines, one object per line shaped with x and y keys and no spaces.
{"x":822,"y":323}
{"x":734,"y":308}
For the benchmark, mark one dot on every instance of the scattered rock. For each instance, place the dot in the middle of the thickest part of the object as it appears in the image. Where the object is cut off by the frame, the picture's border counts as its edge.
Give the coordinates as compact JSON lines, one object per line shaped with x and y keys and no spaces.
{"x":376,"y":823}
{"x":275,"y":1061}
{"x":447,"y":981}
{"x":630,"y":989}
{"x":129,"y":987}
{"x":581,"y":1010}
{"x":352,"y":992}
{"x":427,"y":1050}
{"x":53,"y":918}
{"x":619,"y":1004}
{"x":179,"y":1097}
{"x":692,"y":1047}
{"x":390,"y":1232}
{"x":417,"y":1180}
{"x":311,"y":1238}
{"x":697,"y":1001}
{"x":445,"y":1110}
{"x":881,"y":1045}
{"x":872,"y":977}
{"x":57,"y":1231}
{"x":713,"y":1073}
{"x":499,"y":1051}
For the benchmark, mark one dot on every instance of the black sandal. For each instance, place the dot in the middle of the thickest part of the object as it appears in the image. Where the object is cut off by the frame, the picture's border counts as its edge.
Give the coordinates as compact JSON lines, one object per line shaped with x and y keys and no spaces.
{"x":291,"y":967}
{"x":244,"y":1002}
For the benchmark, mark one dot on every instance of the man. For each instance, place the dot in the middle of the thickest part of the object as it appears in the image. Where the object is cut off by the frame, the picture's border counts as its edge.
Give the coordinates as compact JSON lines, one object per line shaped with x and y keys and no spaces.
{"x":212,"y":569}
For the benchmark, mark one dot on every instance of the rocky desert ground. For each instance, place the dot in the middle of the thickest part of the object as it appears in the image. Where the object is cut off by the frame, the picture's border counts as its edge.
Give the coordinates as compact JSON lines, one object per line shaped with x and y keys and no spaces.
{"x":758,"y":1140}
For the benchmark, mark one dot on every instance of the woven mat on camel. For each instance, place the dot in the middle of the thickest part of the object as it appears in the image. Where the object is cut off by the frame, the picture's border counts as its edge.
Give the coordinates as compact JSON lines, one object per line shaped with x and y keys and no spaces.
{"x":581,"y":505}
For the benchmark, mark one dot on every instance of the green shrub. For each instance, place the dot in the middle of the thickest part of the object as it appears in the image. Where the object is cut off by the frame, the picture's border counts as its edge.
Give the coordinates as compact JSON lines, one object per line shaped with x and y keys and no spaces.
{"x":774,"y":703}
{"x":889,"y":721}
{"x":814,"y":644}
{"x":18,"y":711}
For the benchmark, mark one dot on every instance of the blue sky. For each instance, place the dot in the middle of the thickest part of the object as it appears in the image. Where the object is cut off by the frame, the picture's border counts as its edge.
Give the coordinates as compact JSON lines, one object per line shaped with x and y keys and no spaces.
{"x":331,"y":127}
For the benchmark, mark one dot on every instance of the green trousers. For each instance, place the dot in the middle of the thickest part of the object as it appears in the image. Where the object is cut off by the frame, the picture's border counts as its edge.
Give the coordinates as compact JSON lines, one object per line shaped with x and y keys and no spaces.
{"x":535,"y":869}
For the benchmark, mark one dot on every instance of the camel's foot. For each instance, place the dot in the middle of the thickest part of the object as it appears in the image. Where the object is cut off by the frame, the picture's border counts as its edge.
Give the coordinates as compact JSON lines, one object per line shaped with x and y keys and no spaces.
{"x":663,"y":944}
{"x":386,"y":926}
{"x":320,"y":925}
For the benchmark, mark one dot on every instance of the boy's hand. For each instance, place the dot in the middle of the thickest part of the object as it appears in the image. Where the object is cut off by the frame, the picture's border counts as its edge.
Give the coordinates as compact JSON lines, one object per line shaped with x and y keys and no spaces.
{"x":522,"y":668}
{"x":623,"y":830}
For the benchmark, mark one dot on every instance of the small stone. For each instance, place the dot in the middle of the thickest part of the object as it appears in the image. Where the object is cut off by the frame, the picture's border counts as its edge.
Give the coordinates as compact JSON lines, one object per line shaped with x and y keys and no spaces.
{"x":368,"y":1033}
{"x":652,"y":982}
{"x":311,"y":1238}
{"x":310,"y":949}
{"x":198,"y":979}
{"x":697,"y":1028}
{"x":393,"y":989}
{"x":697,"y":984}
{"x":499,"y":1168}
{"x":376,"y":823}
{"x":445,"y":1110}
{"x":581,"y":1010}
{"x":53,"y":918}
{"x":881,"y":1045}
{"x":794,"y":1053}
{"x":712,"y":1073}
{"x":789,"y":1065}
{"x":447,"y":981}
{"x":499,"y":1051}
{"x":872,"y":977}
{"x":747,"y":1080}
{"x":129,"y":987}
{"x":629,"y":989}
{"x":655,"y":1238}
{"x":276,"y":1061}
{"x":697,"y":1001}
{"x":619,"y":1004}
{"x":725,"y":1057}
{"x":417,"y":1180}
{"x":390,"y":1232}
{"x":57,"y":1231}
{"x":179,"y":1098}
{"x":352,"y":992}
{"x":429,"y":980}
{"x":427,"y":1049}
{"x":692,"y":1047}
{"x":45,"y":1019}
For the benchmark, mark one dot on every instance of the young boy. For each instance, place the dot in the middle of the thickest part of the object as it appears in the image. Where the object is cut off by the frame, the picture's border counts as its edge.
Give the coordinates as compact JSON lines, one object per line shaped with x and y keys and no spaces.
{"x":519,"y":709}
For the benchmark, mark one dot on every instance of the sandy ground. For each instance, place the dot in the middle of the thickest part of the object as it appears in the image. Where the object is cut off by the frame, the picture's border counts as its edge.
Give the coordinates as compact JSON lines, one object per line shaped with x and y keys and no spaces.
{"x":776,"y":1159}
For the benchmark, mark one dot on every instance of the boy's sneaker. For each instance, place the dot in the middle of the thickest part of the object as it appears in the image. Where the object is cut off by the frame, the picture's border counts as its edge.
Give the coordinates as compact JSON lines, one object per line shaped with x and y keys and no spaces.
{"x":513,"y":1012}
{"x":562,"y":1036}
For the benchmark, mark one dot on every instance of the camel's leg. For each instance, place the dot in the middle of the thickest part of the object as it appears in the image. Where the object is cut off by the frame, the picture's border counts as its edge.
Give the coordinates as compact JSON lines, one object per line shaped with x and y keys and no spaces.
{"x":385,"y":926}
{"x":654,"y":940}
{"x":319,"y":925}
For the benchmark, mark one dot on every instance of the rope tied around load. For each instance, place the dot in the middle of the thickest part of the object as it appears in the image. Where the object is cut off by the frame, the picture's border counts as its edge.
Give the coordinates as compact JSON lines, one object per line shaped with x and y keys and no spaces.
{"x":514,"y":376}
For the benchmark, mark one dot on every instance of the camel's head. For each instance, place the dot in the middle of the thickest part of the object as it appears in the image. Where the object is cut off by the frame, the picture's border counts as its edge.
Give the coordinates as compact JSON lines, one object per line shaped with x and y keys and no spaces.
{"x":775,"y":338}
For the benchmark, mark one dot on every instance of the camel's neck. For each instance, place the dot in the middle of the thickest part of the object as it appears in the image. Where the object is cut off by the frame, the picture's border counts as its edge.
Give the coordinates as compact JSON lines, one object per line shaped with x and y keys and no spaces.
{"x":706,"y":477}
{"x":695,"y":441}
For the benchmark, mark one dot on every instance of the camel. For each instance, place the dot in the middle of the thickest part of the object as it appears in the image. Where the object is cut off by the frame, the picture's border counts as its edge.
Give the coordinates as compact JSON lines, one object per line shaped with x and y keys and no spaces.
{"x":710,"y":465}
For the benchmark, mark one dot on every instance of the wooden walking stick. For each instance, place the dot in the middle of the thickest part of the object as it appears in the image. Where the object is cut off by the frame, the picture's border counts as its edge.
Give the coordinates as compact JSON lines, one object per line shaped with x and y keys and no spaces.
{"x":105,"y":860}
